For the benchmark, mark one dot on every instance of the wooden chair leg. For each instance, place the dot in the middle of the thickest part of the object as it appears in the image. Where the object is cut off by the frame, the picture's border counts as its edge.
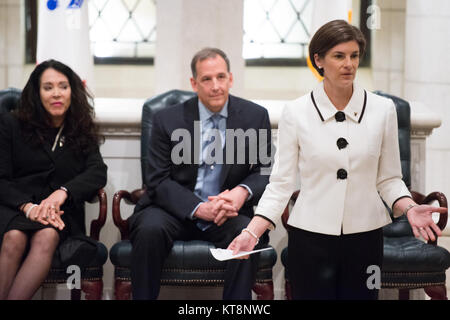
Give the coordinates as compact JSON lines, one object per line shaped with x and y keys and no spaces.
{"x":437,"y":292}
{"x":264,"y":290}
{"x":287,"y":290}
{"x":403,"y":294}
{"x":75,"y":294}
{"x":122,"y":289}
{"x":92,"y":289}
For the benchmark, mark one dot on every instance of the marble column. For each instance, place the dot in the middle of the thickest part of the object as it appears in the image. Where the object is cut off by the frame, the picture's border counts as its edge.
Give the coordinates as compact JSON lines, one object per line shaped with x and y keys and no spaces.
{"x":184,"y":27}
{"x":427,"y":79}
{"x":388,"y":46}
{"x":11,"y":43}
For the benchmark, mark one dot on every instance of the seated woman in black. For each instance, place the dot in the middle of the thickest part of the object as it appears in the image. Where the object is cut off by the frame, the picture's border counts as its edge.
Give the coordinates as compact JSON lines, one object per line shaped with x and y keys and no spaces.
{"x":50,"y":165}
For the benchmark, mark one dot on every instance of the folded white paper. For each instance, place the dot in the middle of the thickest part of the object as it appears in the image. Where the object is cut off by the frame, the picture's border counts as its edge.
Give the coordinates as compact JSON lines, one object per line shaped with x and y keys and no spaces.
{"x":226,"y":254}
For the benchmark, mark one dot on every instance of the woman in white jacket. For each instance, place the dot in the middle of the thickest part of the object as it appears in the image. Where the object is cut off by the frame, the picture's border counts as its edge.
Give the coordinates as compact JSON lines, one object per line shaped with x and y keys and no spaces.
{"x":342,"y":141}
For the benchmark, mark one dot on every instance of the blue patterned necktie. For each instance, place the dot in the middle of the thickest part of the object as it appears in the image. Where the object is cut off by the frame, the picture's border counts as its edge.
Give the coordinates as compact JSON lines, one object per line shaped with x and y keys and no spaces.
{"x":211,"y":141}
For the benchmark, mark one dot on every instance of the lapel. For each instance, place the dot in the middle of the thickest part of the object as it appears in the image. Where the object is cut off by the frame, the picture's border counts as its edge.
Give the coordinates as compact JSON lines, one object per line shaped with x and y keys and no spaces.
{"x":232,"y":123}
{"x":48,"y":150}
{"x":54,"y":155}
{"x":191,"y":117}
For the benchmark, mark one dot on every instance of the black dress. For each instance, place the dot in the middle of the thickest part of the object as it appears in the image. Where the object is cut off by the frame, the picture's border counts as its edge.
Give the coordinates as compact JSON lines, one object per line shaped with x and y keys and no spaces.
{"x":30,"y":173}
{"x":21,"y":222}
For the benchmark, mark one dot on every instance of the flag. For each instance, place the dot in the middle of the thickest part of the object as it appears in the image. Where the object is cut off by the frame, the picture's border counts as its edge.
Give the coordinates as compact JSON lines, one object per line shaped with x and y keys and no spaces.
{"x":325,"y":11}
{"x":63,"y":35}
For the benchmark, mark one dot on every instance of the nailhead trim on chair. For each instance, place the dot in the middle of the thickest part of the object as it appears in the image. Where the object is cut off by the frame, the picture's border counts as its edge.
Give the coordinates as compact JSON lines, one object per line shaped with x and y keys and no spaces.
{"x":192,"y":282}
{"x":83,"y":269}
{"x":411,"y":285}
{"x":49,"y":281}
{"x":414,"y":285}
{"x":263,"y":280}
{"x":413,"y":273}
{"x":198,"y":270}
{"x":59,"y":271}
{"x":193,"y":270}
{"x":64,"y":280}
{"x":199,"y":282}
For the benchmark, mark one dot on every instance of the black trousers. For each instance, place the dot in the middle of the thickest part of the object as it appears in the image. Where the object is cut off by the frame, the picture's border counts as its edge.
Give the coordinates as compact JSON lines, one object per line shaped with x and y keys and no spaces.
{"x":153,"y":232}
{"x":326,"y":267}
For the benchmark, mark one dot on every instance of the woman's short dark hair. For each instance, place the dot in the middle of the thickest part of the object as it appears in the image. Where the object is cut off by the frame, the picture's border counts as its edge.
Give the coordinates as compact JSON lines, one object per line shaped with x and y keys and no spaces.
{"x":80,"y":131}
{"x":207,"y":53}
{"x":331,"y":34}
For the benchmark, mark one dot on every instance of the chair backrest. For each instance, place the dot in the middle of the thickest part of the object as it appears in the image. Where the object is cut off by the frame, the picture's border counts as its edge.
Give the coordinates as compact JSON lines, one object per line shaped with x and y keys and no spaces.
{"x":400,"y":226}
{"x":9,"y":99}
{"x":150,"y":107}
{"x":404,"y":134}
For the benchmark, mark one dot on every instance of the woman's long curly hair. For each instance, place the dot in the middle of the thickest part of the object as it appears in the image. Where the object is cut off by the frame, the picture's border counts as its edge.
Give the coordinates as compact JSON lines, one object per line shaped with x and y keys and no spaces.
{"x":80,"y":131}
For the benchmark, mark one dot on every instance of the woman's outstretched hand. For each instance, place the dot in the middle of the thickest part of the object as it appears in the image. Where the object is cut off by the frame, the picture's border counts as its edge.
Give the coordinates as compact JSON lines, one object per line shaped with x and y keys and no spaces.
{"x":421,"y":221}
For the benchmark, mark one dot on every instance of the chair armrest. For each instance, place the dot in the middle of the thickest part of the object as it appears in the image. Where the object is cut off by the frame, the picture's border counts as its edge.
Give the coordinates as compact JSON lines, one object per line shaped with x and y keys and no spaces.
{"x":97,"y":224}
{"x":285,"y":215}
{"x":130,"y":198}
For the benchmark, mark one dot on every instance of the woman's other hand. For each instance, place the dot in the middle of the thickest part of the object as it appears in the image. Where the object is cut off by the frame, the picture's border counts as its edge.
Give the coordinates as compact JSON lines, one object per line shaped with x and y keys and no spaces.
{"x":243,"y":242}
{"x":249,"y":237}
{"x":49,"y":210}
{"x":421,"y":221}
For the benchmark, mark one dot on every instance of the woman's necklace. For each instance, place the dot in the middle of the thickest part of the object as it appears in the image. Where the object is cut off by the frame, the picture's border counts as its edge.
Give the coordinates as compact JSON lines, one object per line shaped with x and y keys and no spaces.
{"x":57,"y":138}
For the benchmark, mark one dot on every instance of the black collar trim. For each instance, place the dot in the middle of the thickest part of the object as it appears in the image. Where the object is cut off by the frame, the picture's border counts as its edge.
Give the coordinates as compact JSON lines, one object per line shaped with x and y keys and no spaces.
{"x":364,"y":107}
{"x":315,"y":105}
{"x":362,"y":112}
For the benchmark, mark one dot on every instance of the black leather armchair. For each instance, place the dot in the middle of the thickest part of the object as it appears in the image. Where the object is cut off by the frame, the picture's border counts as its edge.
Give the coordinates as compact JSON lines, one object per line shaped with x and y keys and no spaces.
{"x":92,"y":272}
{"x":408,"y":263}
{"x":190,"y":263}
{"x":9,"y":98}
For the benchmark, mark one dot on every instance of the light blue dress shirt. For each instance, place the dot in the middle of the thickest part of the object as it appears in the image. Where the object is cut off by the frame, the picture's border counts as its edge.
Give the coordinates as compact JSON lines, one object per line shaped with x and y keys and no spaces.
{"x":205,"y":124}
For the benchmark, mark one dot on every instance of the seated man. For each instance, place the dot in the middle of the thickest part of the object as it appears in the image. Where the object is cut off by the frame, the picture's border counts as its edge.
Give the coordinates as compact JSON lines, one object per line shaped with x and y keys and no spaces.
{"x":207,"y":189}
